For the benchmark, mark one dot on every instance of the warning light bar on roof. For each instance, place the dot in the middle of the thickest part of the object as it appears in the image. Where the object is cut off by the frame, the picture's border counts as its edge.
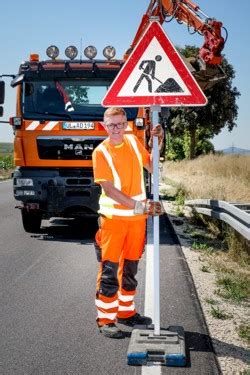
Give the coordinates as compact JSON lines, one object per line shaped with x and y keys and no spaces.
{"x":71,"y":52}
{"x":52,"y":52}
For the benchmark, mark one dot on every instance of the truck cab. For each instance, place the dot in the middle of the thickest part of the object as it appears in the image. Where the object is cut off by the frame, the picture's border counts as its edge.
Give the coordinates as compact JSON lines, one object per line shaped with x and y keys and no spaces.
{"x":57,"y":126}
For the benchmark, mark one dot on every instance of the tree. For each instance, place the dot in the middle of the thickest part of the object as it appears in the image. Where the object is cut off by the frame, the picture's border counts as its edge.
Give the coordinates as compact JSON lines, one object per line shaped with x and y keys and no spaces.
{"x":203,"y":123}
{"x":78,"y":94}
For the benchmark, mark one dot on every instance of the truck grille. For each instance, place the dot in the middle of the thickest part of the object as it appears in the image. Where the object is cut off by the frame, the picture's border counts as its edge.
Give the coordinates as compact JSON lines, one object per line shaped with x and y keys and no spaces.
{"x":67,"y":148}
{"x":78,"y":181}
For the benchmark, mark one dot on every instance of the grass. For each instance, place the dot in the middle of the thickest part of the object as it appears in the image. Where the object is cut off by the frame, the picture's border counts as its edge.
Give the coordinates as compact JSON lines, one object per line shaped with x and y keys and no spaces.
{"x":233,"y":287}
{"x":244,"y":332}
{"x":180,"y":194}
{"x":224,"y":177}
{"x":211,"y":301}
{"x":205,"y":269}
{"x":223,"y":264}
{"x":239,"y":247}
{"x":6,"y":160}
{"x":179,"y":211}
{"x":217,"y":313}
{"x":221,"y":249}
{"x":6,"y":148}
{"x":200,"y":234}
{"x":202,"y":246}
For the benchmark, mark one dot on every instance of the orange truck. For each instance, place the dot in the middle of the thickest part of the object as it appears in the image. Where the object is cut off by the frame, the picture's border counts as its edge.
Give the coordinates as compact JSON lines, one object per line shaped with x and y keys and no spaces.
{"x":58,"y":120}
{"x":58,"y":124}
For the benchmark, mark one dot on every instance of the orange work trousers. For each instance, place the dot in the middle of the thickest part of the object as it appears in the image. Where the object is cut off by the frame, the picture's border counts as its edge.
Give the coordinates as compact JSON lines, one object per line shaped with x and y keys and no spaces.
{"x":122,"y":243}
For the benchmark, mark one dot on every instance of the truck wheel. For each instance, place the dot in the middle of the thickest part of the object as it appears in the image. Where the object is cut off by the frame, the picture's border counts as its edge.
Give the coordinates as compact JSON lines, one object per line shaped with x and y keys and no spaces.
{"x":31,"y":221}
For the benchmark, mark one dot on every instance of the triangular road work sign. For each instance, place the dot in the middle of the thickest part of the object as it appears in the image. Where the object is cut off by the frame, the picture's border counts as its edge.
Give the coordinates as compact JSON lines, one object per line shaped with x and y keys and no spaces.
{"x":154,"y":74}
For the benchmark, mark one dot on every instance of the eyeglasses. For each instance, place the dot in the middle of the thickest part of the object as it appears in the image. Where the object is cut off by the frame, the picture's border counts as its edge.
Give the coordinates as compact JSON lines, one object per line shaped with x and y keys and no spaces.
{"x":119,"y":125}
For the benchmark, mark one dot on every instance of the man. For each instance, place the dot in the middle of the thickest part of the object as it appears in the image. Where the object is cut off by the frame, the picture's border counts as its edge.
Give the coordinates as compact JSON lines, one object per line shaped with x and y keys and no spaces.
{"x":118,"y":167}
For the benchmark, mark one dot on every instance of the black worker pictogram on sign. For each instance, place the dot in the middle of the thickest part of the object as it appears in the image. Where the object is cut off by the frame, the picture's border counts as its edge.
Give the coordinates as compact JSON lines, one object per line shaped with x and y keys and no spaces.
{"x":148,"y":73}
{"x":154,"y":74}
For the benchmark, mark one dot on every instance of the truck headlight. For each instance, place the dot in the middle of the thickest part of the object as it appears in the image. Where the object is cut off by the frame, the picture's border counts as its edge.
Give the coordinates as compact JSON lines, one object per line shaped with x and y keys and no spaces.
{"x":24,"y":182}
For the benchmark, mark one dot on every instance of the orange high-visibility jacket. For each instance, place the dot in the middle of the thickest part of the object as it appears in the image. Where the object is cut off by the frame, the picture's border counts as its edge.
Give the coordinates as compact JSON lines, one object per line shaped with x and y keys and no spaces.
{"x":123,"y":165}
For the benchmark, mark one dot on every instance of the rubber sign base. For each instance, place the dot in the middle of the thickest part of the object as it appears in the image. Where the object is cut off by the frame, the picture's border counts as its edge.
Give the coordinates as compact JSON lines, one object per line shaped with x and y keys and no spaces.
{"x":167,"y":349}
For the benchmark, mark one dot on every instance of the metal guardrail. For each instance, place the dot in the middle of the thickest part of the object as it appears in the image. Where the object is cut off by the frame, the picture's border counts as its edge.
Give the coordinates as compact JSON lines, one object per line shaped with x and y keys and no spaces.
{"x":237,"y":215}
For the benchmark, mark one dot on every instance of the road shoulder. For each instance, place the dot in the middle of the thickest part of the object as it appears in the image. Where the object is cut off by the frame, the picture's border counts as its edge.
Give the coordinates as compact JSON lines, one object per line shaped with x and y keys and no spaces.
{"x":231,"y":351}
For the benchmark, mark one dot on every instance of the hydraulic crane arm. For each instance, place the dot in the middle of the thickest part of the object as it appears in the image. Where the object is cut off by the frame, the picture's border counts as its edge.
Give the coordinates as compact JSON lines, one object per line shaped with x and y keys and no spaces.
{"x":205,"y":67}
{"x":185,"y":11}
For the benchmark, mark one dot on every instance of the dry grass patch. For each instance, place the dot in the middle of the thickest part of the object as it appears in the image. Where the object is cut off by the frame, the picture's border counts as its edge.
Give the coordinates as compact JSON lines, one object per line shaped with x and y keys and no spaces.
{"x":222,"y":264}
{"x":223,"y":177}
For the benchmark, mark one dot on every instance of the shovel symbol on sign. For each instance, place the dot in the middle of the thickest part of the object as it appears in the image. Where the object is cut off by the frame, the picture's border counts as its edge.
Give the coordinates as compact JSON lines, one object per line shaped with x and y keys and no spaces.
{"x":148,"y":68}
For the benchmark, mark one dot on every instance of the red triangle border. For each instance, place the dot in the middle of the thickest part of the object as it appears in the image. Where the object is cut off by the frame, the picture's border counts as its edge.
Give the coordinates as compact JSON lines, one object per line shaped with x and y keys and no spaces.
{"x":197,"y":97}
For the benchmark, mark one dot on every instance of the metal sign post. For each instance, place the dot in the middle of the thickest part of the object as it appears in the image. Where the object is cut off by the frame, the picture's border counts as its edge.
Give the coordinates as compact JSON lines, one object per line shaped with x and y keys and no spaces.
{"x":156,"y":253}
{"x":155,"y":344}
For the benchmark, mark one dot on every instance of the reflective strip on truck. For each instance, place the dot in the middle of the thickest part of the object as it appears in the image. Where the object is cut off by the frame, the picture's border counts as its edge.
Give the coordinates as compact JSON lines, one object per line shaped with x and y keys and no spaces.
{"x":50,"y":125}
{"x":36,"y":125}
{"x":33,"y":125}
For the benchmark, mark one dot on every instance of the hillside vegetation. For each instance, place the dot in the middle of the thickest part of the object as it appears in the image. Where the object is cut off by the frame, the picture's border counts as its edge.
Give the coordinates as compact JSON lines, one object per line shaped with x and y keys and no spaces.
{"x":6,"y":148}
{"x":223,"y":177}
{"x":6,"y":160}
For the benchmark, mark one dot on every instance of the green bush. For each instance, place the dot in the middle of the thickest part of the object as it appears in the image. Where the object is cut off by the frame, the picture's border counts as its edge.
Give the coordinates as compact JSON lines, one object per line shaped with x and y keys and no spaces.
{"x":6,"y":162}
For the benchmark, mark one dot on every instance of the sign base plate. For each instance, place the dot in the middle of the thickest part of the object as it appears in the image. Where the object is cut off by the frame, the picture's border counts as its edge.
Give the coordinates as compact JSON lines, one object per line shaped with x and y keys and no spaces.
{"x":167,"y":349}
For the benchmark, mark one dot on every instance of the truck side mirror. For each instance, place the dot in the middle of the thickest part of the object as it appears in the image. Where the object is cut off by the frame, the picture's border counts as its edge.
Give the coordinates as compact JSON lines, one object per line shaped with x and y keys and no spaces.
{"x":2,"y":91}
{"x":1,"y":111}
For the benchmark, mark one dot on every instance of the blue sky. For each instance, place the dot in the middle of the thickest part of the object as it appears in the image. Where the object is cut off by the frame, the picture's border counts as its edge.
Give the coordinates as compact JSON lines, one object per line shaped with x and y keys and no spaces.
{"x":30,"y":27}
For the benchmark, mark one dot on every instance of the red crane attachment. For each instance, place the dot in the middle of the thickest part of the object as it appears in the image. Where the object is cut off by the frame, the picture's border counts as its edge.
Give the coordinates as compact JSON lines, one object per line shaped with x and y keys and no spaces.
{"x":189,"y":13}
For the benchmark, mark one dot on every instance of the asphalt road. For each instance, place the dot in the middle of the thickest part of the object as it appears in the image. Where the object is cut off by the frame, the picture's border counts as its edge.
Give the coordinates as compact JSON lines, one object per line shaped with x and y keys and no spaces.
{"x":47,"y":307}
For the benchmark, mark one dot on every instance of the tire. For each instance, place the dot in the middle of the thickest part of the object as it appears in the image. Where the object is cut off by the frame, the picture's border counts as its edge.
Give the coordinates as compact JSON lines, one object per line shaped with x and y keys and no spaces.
{"x":31,"y":221}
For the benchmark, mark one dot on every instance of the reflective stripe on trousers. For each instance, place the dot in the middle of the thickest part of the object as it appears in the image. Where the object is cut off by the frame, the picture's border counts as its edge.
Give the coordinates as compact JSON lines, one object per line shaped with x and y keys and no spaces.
{"x":107,"y":311}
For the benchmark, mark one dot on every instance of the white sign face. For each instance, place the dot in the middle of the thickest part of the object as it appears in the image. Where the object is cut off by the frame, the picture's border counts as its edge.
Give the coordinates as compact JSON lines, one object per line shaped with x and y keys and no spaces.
{"x":153,"y":75}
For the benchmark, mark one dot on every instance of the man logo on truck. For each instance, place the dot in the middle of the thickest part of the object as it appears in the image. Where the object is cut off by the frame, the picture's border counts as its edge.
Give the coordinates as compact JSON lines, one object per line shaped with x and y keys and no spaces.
{"x":78,"y":147}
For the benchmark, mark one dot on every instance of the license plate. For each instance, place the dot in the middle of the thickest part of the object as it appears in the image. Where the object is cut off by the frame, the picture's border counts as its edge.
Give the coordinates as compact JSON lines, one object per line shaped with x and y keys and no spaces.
{"x":78,"y":125}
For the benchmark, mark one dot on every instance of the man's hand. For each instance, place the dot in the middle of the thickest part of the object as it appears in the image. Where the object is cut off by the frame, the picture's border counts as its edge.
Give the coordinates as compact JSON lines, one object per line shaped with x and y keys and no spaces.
{"x":154,"y":208}
{"x":151,"y":208}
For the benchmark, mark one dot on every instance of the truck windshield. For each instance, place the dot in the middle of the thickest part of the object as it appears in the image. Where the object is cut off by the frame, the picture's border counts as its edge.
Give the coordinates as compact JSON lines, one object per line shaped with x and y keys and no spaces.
{"x":78,"y":99}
